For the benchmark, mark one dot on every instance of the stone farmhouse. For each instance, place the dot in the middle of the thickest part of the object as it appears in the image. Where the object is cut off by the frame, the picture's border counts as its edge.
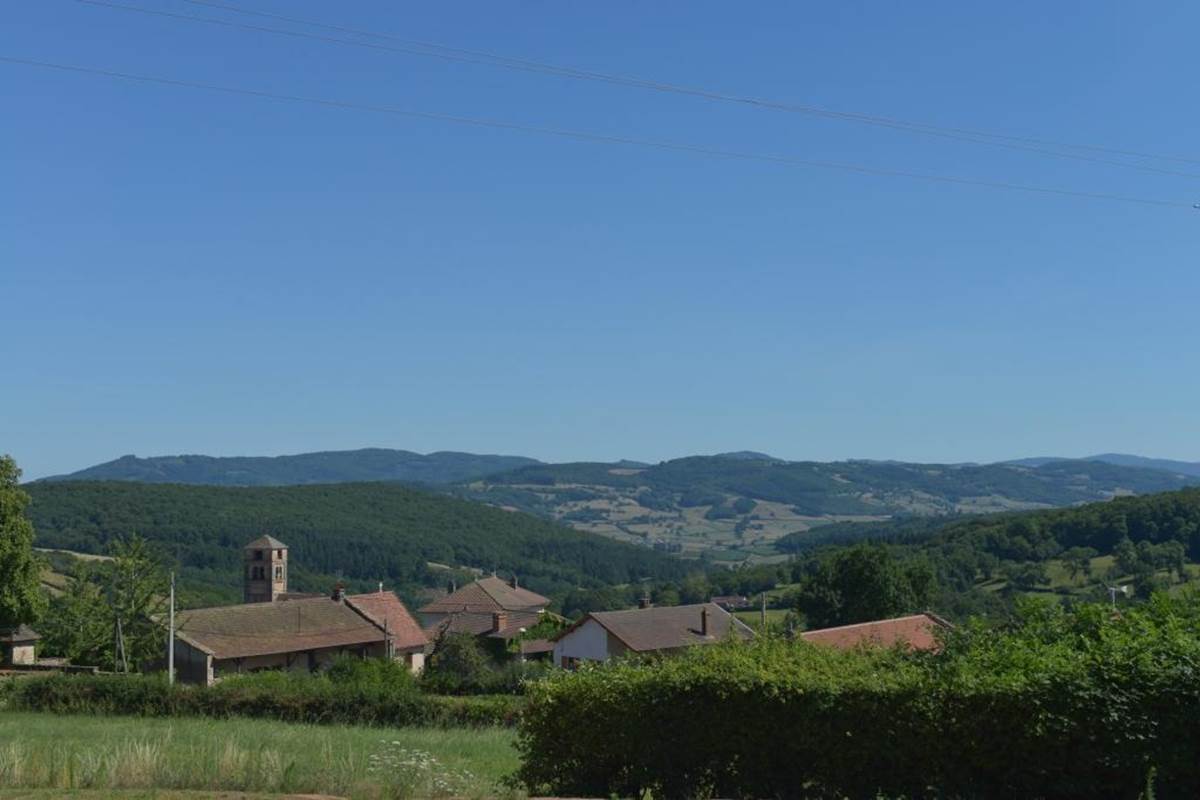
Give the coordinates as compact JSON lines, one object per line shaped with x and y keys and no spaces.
{"x":275,"y":629}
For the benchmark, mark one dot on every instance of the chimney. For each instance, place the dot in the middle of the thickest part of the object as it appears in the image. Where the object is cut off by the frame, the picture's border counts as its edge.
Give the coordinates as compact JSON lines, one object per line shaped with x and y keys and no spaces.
{"x":645,"y":601}
{"x":513,"y":581}
{"x":704,"y":621}
{"x":499,"y":621}
{"x":339,"y":592}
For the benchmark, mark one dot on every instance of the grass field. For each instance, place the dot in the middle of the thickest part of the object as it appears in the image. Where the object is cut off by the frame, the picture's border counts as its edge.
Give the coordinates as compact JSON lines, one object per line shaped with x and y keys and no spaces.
{"x":41,"y":752}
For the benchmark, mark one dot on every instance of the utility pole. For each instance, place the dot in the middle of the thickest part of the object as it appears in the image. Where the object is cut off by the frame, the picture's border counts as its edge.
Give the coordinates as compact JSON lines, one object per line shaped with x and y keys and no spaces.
{"x":121,"y":648}
{"x":763,"y":611}
{"x":171,"y":636}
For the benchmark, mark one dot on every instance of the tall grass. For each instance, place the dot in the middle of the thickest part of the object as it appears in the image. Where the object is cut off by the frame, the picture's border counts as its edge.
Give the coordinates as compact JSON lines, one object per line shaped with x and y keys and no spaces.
{"x":39,"y":751}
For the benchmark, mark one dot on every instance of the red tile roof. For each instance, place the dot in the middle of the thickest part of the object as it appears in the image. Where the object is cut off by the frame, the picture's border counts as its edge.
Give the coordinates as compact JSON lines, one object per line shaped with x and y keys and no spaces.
{"x":386,"y":608}
{"x":916,"y":632}
{"x":486,"y":595}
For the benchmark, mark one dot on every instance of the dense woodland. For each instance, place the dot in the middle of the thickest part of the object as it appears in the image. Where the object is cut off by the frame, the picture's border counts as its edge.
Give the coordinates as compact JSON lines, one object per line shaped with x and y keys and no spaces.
{"x":363,"y":532}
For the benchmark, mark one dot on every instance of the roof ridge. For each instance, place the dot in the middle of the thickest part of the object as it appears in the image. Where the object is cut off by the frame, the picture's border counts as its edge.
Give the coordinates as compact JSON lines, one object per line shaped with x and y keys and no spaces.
{"x":875,"y":622}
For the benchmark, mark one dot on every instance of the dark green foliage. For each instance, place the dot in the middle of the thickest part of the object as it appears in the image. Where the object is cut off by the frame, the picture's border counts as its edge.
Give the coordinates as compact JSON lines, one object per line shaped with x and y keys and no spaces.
{"x":369,"y":693}
{"x":21,"y":600}
{"x":1057,"y":706}
{"x":370,"y":464}
{"x":744,"y":505}
{"x":861,"y":584}
{"x":1146,"y":534}
{"x":365,"y":531}
{"x":130,"y":588}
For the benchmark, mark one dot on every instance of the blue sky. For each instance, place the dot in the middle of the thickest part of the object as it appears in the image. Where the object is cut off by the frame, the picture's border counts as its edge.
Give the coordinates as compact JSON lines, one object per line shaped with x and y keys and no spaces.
{"x":188,"y":271}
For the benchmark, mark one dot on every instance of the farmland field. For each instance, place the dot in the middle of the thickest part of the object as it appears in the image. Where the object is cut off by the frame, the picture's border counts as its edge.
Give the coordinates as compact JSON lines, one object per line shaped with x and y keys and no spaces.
{"x":44,"y":752}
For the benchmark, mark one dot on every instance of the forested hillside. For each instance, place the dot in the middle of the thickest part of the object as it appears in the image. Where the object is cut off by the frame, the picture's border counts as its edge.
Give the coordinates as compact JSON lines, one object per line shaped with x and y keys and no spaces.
{"x":1149,"y":543}
{"x":371,"y":464}
{"x":365,"y":532}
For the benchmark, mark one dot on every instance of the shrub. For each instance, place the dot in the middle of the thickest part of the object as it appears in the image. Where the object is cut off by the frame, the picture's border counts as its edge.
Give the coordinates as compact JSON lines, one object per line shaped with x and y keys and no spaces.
{"x":1061,"y":706}
{"x":368,"y":696}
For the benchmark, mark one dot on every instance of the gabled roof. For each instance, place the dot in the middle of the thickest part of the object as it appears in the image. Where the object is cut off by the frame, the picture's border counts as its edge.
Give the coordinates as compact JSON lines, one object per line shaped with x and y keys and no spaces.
{"x":265,"y":543}
{"x":916,"y":632}
{"x":19,"y":635}
{"x":479,"y":623}
{"x":486,"y":595}
{"x":667,"y":627}
{"x":257,"y":629}
{"x":385,"y":608}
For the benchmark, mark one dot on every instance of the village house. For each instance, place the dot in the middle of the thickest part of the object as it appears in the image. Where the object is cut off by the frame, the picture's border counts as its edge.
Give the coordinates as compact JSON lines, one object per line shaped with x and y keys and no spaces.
{"x":916,"y":632}
{"x":278,"y":630}
{"x":602,"y":635}
{"x":489,"y":607}
{"x":18,"y":646}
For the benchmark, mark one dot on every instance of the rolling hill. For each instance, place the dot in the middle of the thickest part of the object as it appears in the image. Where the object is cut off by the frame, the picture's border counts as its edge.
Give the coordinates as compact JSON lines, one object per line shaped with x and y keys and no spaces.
{"x":363,"y":532}
{"x":735,"y":507}
{"x":340,"y":466}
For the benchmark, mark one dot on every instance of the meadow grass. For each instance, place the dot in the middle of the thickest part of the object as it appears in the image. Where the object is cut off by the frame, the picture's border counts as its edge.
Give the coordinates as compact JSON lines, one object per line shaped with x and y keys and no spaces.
{"x":52,"y":752}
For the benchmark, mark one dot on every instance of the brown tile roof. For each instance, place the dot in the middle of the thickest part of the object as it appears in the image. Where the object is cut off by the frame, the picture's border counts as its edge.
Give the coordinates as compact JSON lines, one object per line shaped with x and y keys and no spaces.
{"x":265,"y":543}
{"x":486,"y":595}
{"x":479,"y":623}
{"x":19,"y":635}
{"x":257,"y":629}
{"x":916,"y":631}
{"x":385,"y":607}
{"x":667,"y":627}
{"x":535,"y":646}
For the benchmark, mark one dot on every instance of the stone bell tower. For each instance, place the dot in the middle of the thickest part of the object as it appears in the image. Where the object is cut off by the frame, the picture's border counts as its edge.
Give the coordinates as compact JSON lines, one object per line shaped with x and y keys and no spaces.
{"x":265,"y":562}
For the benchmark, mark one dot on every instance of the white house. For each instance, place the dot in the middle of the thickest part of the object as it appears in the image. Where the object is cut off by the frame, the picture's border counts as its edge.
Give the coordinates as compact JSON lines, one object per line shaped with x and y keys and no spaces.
{"x":602,"y":635}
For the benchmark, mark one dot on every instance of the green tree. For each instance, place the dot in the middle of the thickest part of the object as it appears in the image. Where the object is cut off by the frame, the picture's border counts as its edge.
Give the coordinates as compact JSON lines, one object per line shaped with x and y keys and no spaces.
{"x":129,"y":592}
{"x":79,"y":627}
{"x":864,"y":583}
{"x":1078,"y":560}
{"x":21,"y":599}
{"x":1127,"y":557}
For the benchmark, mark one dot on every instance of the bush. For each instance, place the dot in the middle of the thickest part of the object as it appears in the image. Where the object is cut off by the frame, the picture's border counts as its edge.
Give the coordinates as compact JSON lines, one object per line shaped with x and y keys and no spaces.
{"x":1062,"y":706}
{"x":363,"y":694}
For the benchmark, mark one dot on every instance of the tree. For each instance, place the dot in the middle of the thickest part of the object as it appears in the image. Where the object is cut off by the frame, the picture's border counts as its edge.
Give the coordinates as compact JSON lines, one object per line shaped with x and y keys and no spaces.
{"x":1127,"y":557}
{"x":21,"y":599}
{"x":78,"y":627}
{"x":1077,"y":560}
{"x":128,"y":591}
{"x":864,"y":583}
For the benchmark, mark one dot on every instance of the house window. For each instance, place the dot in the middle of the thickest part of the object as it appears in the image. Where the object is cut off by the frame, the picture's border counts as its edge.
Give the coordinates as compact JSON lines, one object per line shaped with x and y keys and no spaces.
{"x":257,"y":573}
{"x":278,"y":573}
{"x":258,"y":555}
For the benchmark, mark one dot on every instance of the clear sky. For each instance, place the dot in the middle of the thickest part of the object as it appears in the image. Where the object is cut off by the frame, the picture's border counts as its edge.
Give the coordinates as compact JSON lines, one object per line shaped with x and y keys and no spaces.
{"x":184,"y":271}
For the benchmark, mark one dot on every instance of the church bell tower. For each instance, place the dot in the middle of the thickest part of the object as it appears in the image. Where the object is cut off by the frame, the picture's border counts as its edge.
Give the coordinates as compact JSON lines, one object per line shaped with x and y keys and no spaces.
{"x":265,"y":570}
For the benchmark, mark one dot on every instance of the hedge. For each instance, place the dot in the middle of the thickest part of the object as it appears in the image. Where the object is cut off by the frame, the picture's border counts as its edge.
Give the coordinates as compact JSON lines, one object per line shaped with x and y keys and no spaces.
{"x":1064,"y":707}
{"x":276,"y":696}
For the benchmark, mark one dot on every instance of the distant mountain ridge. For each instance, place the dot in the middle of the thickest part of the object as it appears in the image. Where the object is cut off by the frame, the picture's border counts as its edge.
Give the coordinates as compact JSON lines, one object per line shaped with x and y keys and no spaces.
{"x":337,"y":466}
{"x":1190,"y":468}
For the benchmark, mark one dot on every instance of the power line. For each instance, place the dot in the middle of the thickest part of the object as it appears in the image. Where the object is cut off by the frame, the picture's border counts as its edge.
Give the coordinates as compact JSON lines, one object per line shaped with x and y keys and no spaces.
{"x":465,"y":55}
{"x":596,"y":137}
